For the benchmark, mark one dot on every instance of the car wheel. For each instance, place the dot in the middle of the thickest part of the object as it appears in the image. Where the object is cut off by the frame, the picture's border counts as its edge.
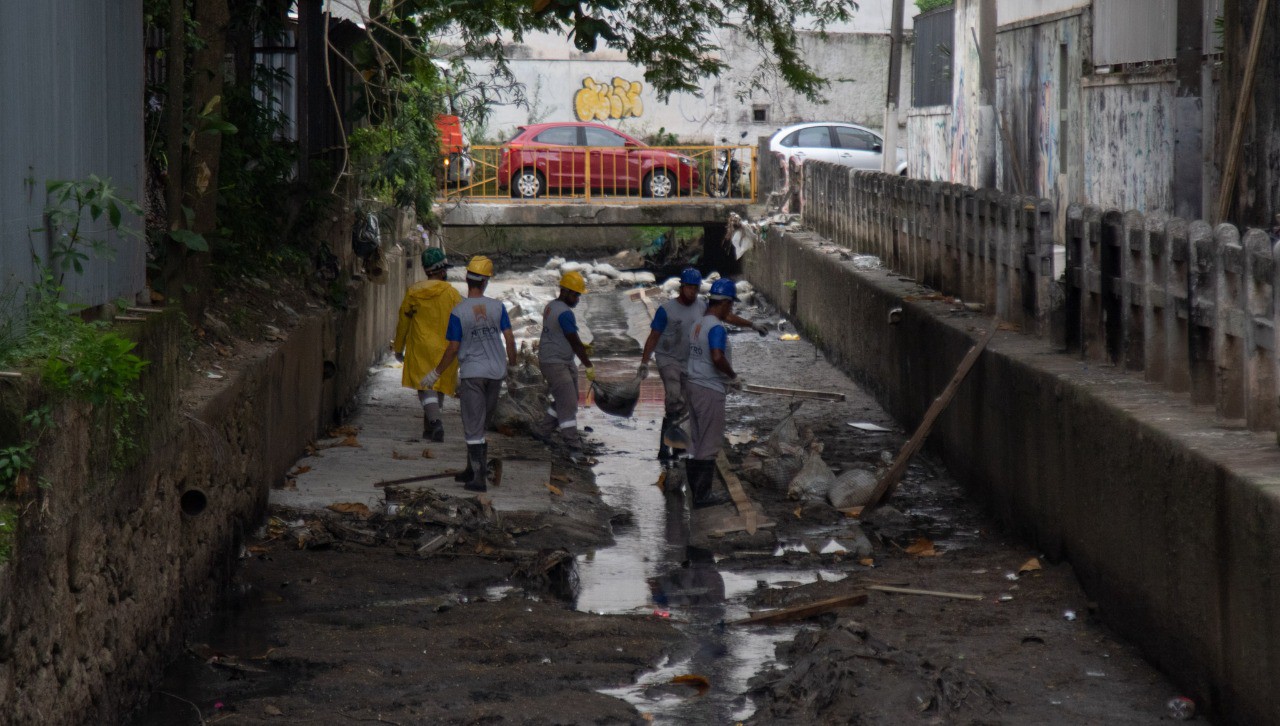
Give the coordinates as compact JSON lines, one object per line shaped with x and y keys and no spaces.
{"x":527,"y":184}
{"x":659,"y":184}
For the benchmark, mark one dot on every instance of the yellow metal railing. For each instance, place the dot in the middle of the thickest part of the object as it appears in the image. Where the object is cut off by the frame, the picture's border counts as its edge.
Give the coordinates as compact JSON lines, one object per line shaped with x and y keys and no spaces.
{"x":612,"y":174}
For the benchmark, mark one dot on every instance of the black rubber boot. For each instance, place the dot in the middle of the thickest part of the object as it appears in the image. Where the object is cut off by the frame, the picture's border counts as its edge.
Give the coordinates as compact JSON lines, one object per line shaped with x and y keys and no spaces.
{"x":702,"y":483}
{"x":477,"y":456}
{"x":426,"y":425}
{"x":437,"y":431}
{"x":467,"y":474}
{"x":664,"y":451}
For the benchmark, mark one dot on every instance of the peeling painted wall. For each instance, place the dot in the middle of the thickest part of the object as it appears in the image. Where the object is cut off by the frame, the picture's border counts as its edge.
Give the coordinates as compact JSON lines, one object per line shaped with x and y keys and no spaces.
{"x":1039,"y":136}
{"x":929,"y":143}
{"x":1128,"y":147}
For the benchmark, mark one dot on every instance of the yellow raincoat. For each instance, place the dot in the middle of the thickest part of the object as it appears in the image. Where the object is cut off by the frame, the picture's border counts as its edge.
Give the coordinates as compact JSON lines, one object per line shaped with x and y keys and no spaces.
{"x":424,"y":316}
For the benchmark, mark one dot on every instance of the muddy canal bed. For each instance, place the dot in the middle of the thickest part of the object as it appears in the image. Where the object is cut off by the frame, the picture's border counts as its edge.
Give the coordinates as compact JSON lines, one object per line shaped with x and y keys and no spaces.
{"x":633,"y":625}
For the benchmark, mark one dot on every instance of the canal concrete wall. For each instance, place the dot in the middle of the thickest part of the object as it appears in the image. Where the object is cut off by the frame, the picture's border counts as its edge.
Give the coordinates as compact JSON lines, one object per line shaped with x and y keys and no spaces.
{"x":1170,"y":518}
{"x":107,"y":572}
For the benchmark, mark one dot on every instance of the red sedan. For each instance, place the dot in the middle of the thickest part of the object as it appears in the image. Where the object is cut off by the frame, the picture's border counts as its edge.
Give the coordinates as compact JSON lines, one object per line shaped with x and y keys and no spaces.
{"x":564,"y":157}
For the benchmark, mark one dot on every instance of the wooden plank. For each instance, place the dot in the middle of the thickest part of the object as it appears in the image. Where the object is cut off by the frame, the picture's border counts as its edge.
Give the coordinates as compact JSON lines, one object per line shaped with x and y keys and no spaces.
{"x":793,"y":392}
{"x":1227,"y":190}
{"x":746,"y":508}
{"x":412,"y":479}
{"x":802,"y":612}
{"x":890,"y":479}
{"x":928,"y":593}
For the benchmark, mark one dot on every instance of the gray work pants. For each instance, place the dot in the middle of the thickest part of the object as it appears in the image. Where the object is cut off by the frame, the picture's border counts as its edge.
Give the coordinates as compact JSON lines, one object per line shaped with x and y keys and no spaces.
{"x":673,"y":377}
{"x":562,"y":382}
{"x":706,"y":418}
{"x":478,"y":396}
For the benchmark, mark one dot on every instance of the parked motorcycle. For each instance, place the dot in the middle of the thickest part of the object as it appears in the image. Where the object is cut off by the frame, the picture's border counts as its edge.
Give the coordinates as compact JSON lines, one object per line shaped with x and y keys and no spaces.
{"x":723,"y":182}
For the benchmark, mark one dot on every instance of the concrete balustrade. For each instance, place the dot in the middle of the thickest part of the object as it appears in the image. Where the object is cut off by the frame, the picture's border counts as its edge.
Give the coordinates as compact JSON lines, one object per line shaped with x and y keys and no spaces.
{"x":1189,"y":306}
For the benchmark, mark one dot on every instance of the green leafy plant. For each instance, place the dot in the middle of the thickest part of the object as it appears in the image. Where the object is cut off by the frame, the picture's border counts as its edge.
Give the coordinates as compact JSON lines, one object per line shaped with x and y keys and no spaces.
{"x":927,"y":5}
{"x":790,"y":284}
{"x":15,"y":462}
{"x":68,"y":204}
{"x":98,"y":366}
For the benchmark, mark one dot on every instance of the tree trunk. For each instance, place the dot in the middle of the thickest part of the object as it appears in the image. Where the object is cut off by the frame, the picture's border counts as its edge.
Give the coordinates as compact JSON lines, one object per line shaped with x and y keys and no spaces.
{"x":1257,"y":187}
{"x":212,"y":19}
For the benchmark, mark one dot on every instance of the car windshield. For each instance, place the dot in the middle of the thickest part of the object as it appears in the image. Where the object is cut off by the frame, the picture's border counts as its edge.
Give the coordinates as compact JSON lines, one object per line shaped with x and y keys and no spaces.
{"x":559,"y":135}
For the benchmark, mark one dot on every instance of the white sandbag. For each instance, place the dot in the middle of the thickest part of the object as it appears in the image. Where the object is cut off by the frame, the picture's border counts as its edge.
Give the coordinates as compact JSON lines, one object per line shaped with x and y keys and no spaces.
{"x":785,"y":434}
{"x":648,"y":278}
{"x":572,"y":267}
{"x":669,"y":286}
{"x":598,"y":281}
{"x":554,"y":263}
{"x":853,"y":488}
{"x":627,"y":278}
{"x":606,"y":269}
{"x":745,"y":286}
{"x":713,"y":277}
{"x":813,"y":481}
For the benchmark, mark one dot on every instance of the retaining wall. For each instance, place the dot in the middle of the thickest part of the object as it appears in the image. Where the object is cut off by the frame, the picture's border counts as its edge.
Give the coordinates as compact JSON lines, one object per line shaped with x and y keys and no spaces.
{"x":107,"y":571}
{"x":1171,"y":520}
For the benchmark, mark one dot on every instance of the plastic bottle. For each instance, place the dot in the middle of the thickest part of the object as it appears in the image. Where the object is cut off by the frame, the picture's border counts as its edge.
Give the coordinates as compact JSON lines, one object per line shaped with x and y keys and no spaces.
{"x":1181,"y":708}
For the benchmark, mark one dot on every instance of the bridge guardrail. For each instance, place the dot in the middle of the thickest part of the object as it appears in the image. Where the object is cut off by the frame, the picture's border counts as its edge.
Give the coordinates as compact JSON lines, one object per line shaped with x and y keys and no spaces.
{"x":1191,"y":306}
{"x":604,"y":175}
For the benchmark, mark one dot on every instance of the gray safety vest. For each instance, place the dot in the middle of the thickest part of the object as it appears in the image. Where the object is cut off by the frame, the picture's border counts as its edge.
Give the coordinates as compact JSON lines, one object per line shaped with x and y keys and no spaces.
{"x":702,"y":372}
{"x":673,"y":346}
{"x":482,"y":351}
{"x":553,"y":347}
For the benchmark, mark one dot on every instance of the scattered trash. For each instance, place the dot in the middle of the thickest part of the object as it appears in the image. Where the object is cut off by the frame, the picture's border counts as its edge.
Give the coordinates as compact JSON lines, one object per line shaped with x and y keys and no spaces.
{"x":1030,"y":565}
{"x":788,"y":336}
{"x":1006,"y":598}
{"x":868,"y":426}
{"x":852,"y":488}
{"x":699,"y":682}
{"x":662,"y":614}
{"x":833,"y":547}
{"x":1011,"y":576}
{"x":1095,"y":674}
{"x":813,"y":481}
{"x":356,"y":508}
{"x":215,"y":376}
{"x":922,"y":547}
{"x":270,"y":710}
{"x":1069,"y":614}
{"x":1181,"y":708}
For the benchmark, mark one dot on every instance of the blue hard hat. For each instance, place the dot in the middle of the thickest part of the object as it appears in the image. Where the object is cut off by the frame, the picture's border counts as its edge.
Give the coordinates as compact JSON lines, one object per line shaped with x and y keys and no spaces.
{"x":690,"y":276}
{"x":724,"y":289}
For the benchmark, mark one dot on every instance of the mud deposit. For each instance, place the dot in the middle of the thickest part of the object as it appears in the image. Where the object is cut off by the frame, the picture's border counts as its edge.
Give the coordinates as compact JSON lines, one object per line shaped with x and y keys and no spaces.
{"x":372,"y":632}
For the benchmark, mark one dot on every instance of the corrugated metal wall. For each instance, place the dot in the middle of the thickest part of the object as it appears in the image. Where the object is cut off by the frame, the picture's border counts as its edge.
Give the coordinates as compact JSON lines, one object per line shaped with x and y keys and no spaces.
{"x":931,"y":58}
{"x":71,"y":104}
{"x":1134,"y":31}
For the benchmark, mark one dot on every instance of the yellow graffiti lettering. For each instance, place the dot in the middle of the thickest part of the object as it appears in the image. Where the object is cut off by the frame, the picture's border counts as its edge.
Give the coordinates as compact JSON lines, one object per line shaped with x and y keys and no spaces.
{"x":600,"y":101}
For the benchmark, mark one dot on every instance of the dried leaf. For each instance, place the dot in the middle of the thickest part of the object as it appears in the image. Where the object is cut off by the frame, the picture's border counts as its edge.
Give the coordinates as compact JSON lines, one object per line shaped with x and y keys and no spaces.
{"x":289,"y":484}
{"x":554,"y":489}
{"x":662,"y":481}
{"x":867,"y":562}
{"x":300,"y":470}
{"x":560,"y":477}
{"x":1013,"y":327}
{"x":426,"y":454}
{"x":1030,"y":565}
{"x":922,"y":547}
{"x":356,"y":508}
{"x":699,"y":682}
{"x":347,"y":430}
{"x":798,"y":513}
{"x":854,"y":512}
{"x":402,"y":457}
{"x":257,"y":549}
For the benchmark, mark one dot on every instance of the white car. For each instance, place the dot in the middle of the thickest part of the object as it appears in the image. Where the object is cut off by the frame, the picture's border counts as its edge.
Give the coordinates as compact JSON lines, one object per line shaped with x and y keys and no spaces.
{"x":839,"y":143}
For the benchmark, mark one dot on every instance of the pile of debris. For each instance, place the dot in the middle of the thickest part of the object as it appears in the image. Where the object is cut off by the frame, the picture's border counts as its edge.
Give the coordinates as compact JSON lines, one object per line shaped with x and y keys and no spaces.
{"x":597,"y":274}
{"x":791,"y":459}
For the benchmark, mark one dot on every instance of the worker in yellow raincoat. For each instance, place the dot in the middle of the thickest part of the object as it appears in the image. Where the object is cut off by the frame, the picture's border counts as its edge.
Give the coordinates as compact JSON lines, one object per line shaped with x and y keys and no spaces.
{"x":420,"y":343}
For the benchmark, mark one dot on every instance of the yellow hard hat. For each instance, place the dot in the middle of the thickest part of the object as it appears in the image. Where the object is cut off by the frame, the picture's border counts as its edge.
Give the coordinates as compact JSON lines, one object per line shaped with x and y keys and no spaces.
{"x":572,"y":280}
{"x":480,"y":265}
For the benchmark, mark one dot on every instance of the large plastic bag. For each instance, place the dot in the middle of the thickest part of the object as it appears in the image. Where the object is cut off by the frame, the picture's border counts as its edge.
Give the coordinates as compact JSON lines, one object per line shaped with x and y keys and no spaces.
{"x":814,"y":479}
{"x":853,"y":488}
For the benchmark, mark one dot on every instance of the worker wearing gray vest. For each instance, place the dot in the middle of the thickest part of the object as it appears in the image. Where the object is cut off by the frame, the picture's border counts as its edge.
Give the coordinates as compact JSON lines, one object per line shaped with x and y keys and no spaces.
{"x":668,"y":342}
{"x":478,"y":332}
{"x":710,"y":374}
{"x":557,"y":347}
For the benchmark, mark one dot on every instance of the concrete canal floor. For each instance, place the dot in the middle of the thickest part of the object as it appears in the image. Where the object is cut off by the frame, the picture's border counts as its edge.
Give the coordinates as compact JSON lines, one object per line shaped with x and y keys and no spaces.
{"x":571,"y":595}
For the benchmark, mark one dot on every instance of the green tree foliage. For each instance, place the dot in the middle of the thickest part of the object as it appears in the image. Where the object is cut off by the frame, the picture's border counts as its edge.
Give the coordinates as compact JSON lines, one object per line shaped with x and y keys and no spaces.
{"x":927,"y":5}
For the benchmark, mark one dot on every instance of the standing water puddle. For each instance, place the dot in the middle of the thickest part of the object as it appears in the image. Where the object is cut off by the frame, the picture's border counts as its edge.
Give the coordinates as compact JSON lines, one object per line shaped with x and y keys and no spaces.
{"x":650,"y":569}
